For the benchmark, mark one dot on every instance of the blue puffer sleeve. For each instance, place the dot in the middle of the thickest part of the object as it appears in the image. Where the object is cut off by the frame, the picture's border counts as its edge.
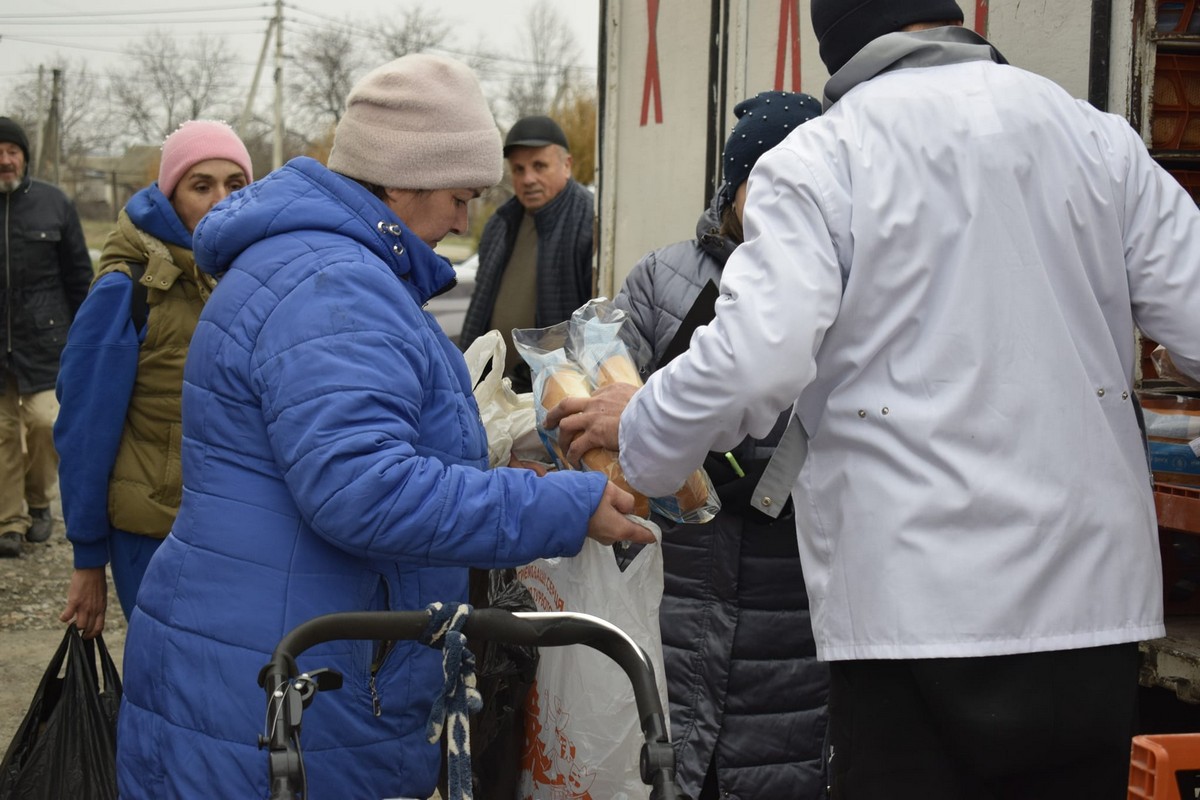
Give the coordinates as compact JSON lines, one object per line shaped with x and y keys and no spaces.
{"x":356,"y":383}
{"x":95,"y":381}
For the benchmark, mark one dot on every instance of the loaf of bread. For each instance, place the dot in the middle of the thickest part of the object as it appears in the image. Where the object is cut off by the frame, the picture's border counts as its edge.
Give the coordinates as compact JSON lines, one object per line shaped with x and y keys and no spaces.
{"x":563,"y":382}
{"x":694,"y":494}
{"x":608,"y":462}
{"x":618,"y":368}
{"x":566,"y":381}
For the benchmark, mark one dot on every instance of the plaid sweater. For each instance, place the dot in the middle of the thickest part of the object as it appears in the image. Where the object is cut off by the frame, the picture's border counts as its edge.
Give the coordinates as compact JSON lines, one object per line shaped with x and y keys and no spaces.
{"x":564,"y":260}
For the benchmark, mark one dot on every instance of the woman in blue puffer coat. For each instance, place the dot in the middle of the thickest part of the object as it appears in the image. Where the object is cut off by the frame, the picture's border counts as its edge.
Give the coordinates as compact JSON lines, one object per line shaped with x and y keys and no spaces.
{"x":333,"y":459}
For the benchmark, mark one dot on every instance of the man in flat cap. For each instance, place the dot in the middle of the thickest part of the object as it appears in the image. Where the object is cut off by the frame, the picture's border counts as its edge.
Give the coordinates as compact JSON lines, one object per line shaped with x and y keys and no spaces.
{"x":535,"y":255}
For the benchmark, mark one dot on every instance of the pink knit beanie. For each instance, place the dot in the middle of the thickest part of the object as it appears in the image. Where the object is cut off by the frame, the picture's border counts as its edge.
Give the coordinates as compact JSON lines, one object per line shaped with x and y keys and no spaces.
{"x":419,"y":122}
{"x":196,"y":141}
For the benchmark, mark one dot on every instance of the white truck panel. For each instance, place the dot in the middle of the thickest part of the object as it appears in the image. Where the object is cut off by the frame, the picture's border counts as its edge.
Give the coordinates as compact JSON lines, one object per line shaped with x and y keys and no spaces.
{"x":650,"y":170}
{"x":655,"y":173}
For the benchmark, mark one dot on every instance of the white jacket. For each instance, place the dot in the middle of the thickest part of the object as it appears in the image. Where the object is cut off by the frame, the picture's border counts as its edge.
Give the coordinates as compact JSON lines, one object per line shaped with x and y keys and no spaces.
{"x":946,"y":270}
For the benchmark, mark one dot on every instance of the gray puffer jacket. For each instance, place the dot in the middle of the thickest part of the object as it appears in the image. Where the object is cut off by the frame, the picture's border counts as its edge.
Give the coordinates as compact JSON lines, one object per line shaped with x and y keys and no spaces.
{"x":746,"y":692}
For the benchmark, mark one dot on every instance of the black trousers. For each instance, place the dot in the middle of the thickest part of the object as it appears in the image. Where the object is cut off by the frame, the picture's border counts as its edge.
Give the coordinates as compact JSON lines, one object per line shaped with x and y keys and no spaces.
{"x":1039,"y":725}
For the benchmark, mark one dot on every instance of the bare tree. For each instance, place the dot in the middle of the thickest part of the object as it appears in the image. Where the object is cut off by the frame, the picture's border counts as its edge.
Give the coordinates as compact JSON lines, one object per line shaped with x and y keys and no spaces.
{"x":576,"y":110}
{"x":165,"y":86}
{"x":548,"y":62}
{"x":417,"y":30}
{"x":325,"y":68}
{"x":83,"y":122}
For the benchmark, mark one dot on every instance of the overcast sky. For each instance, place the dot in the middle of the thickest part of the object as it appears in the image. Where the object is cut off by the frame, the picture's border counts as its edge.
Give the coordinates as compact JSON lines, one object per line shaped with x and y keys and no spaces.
{"x":38,"y":32}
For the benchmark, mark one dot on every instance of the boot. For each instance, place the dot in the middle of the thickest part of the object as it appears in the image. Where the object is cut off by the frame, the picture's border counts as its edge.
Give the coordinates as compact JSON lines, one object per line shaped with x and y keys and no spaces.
{"x":41,"y":527}
{"x":10,"y":544}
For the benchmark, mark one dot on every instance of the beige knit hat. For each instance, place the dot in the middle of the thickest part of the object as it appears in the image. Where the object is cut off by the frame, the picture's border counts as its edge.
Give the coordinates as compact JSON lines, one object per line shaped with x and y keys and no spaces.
{"x":419,"y":122}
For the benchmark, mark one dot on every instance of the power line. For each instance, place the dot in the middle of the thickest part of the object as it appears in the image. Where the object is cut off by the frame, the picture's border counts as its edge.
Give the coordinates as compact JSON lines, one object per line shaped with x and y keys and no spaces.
{"x":143,"y":12}
{"x":187,"y":23}
{"x":301,"y":9}
{"x":135,"y":34}
{"x":48,"y":43}
{"x":350,"y":29}
{"x":355,"y":29}
{"x":126,"y":23}
{"x":93,"y":48}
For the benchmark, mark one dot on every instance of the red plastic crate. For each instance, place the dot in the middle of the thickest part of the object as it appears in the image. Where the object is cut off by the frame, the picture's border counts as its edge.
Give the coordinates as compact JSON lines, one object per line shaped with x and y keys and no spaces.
{"x":1164,"y":766}
{"x":1175,"y":120}
{"x":1178,"y":507}
{"x":1179,"y":545}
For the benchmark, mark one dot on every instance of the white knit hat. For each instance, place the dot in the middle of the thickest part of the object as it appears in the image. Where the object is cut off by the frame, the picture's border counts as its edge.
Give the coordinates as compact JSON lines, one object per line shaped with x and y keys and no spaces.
{"x":419,"y":122}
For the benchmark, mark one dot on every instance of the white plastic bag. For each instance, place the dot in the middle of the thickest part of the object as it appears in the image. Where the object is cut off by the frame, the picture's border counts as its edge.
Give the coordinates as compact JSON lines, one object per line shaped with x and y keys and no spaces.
{"x":582,"y":735}
{"x":507,"y":416}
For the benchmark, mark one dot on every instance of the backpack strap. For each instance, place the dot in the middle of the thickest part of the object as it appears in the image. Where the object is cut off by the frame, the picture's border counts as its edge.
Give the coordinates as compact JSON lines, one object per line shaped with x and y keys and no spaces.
{"x":139,"y":306}
{"x":702,"y":312}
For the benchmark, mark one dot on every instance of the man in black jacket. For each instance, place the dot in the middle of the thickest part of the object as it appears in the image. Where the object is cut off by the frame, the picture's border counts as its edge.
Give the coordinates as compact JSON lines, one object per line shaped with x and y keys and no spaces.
{"x":535,"y":254}
{"x":45,"y":275}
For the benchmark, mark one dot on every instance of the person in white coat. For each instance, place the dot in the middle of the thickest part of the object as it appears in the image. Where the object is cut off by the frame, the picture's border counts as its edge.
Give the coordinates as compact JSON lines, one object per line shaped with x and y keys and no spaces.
{"x":944,"y":273}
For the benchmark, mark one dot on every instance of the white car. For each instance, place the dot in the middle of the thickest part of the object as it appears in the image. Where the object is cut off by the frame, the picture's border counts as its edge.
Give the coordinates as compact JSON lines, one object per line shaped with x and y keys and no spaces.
{"x":466,"y":269}
{"x":450,"y":308}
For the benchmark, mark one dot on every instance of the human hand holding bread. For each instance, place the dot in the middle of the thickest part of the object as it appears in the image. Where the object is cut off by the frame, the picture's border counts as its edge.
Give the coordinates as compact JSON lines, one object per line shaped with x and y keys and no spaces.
{"x":584,"y":375}
{"x":589,"y":427}
{"x":569,"y":386}
{"x":586,"y":422}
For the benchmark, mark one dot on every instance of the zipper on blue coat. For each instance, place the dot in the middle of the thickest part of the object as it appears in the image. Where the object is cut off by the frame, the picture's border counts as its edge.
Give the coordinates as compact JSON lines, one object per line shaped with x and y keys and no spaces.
{"x":382,"y":648}
{"x":376,"y":706}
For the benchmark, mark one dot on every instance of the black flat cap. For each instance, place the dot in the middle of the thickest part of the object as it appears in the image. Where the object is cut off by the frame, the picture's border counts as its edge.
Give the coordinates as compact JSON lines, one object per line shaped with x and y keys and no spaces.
{"x":534,"y":132}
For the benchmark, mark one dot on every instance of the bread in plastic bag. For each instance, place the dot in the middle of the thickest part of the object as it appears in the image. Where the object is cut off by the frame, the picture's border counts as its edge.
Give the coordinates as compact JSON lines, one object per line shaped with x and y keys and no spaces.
{"x":596,"y":347}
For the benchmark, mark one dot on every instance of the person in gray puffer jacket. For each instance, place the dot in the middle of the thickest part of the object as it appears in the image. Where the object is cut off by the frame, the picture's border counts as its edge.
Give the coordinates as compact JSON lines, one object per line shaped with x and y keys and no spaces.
{"x":747,"y":694}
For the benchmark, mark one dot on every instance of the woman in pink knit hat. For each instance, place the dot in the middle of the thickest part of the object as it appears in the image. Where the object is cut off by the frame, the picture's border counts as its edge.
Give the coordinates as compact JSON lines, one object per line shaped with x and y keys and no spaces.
{"x":120,"y":382}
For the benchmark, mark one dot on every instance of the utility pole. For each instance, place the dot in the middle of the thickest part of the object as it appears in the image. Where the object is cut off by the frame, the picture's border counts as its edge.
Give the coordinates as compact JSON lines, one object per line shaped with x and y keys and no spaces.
{"x":50,"y":155}
{"x":277,"y":154}
{"x":244,"y":121}
{"x":39,"y":136}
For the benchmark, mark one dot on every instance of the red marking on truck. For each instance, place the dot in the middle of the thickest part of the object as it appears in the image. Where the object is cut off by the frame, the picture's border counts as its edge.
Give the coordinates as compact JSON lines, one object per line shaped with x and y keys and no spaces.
{"x":653,"y":84}
{"x":789,"y":38}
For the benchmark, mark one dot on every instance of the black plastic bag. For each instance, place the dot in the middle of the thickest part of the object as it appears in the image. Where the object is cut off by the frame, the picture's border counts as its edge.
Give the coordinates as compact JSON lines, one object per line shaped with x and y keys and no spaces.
{"x":505,"y":672}
{"x":67,"y":744}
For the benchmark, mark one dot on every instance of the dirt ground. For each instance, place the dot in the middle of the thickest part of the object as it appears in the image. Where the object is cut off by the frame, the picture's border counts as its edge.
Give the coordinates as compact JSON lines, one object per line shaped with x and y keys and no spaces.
{"x":33,"y":589}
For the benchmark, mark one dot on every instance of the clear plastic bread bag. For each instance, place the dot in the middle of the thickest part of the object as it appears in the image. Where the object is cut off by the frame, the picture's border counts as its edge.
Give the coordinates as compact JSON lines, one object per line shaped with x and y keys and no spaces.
{"x":606,"y":344}
{"x":556,"y":376}
{"x":598,"y":346}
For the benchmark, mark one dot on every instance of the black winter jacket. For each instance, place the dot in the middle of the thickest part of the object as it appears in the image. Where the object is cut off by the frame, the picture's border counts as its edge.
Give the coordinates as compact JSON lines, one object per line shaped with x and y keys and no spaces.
{"x":745,"y":689}
{"x":45,"y":277}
